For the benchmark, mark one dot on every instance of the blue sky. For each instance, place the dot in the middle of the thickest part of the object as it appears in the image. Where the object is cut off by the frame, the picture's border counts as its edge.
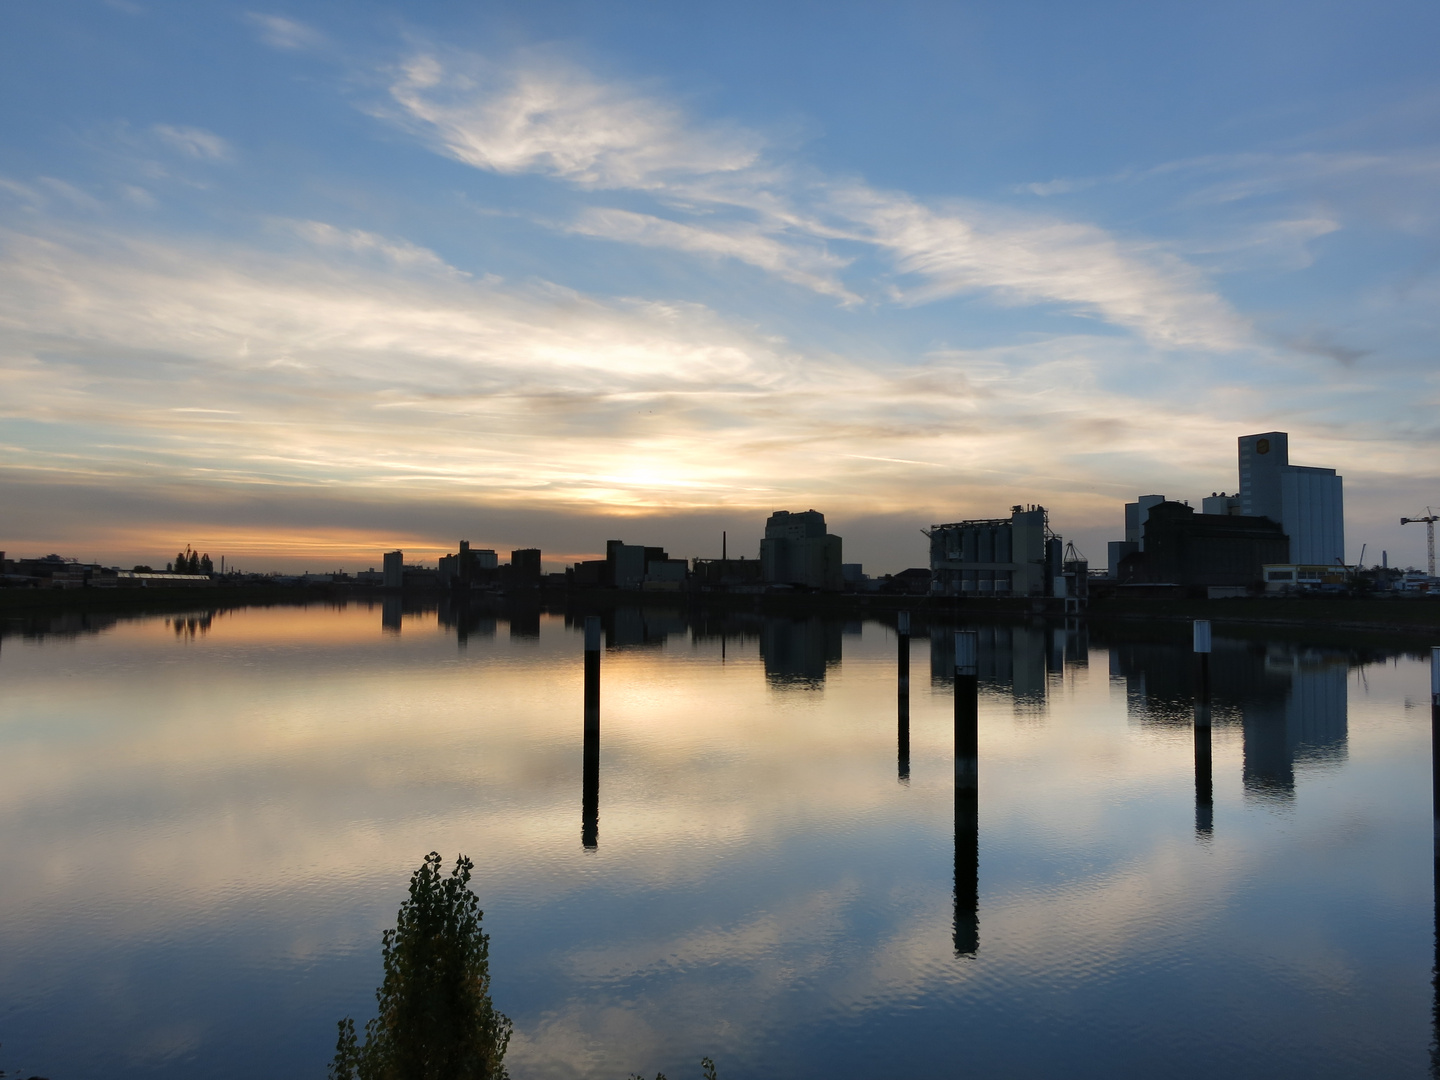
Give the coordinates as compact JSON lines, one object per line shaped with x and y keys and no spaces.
{"x":298,"y":283}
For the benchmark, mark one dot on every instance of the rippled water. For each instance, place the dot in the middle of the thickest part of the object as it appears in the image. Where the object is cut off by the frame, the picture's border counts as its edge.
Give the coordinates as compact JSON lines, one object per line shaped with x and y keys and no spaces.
{"x":207,"y":822}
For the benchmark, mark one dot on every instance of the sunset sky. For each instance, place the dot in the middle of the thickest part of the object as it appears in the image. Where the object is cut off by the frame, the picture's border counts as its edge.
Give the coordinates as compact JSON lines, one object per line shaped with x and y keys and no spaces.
{"x":299,"y":283}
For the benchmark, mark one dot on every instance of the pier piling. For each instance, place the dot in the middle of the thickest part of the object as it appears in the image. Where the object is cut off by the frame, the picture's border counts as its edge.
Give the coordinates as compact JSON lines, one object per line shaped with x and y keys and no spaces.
{"x":967,"y":793}
{"x":1435,"y":813}
{"x":1204,"y":784}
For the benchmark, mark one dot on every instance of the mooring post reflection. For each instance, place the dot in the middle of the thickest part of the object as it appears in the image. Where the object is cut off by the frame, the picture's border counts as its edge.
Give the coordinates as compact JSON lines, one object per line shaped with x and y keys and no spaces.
{"x":967,"y":793}
{"x":1204,"y":786}
{"x":902,"y":713}
{"x":590,"y":783}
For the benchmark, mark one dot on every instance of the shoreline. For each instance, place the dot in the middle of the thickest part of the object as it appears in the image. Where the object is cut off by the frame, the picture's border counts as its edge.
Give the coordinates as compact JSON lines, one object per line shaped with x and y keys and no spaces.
{"x":1322,"y":614}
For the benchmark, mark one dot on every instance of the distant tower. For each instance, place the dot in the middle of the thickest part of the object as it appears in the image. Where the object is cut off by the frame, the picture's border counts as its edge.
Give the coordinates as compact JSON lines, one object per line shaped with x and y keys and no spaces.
{"x":798,"y":550}
{"x":525,"y":566}
{"x":1307,"y":502}
{"x":394,"y":569}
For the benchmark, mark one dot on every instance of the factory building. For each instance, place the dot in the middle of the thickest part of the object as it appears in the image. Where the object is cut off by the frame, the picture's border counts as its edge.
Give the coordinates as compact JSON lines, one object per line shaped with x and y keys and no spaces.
{"x":1014,"y":556}
{"x":1136,"y":514}
{"x":1182,"y":547}
{"x":630,"y":566}
{"x":1308,"y":502}
{"x":797,"y":550}
{"x":634,"y":566}
{"x":472,"y":566}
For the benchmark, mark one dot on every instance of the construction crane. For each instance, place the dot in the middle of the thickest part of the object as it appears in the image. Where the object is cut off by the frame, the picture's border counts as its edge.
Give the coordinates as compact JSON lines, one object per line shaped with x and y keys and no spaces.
{"x":1429,"y":521}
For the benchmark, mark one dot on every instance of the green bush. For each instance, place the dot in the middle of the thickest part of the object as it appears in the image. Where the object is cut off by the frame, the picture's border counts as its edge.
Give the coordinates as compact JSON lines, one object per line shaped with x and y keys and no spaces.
{"x":436,"y":1020}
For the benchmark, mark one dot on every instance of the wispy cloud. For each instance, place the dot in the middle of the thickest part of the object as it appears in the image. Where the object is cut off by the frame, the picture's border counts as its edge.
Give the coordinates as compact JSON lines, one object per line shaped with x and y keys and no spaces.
{"x":556,"y":119}
{"x":804,"y":262}
{"x":195,"y":142}
{"x":559,"y":121}
{"x":68,"y":192}
{"x":401,"y":253}
{"x":280,"y":32}
{"x":1036,"y":261}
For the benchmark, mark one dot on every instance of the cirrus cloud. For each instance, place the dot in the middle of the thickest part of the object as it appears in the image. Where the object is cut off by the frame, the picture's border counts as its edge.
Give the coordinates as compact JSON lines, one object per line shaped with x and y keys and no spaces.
{"x":559,"y":121}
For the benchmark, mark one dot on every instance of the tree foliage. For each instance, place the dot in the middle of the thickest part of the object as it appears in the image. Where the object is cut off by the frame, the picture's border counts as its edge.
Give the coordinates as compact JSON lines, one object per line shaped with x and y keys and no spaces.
{"x":436,"y":1020}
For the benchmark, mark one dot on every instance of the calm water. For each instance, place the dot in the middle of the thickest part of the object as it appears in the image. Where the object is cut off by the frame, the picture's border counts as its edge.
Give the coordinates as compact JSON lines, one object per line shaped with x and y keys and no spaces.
{"x":207,"y":823}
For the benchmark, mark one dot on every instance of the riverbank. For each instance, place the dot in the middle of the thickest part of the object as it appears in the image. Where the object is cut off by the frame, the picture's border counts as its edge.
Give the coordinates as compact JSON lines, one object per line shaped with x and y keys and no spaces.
{"x":1329,"y":613}
{"x":1418,"y":618}
{"x":25,"y":602}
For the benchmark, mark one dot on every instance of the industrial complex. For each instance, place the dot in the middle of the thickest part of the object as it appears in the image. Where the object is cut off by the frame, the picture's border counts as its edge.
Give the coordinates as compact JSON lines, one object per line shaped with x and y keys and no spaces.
{"x":1285,"y":524}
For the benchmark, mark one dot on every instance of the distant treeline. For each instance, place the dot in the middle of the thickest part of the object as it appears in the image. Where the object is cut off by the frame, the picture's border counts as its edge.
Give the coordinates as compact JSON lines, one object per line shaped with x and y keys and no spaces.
{"x":188,"y":562}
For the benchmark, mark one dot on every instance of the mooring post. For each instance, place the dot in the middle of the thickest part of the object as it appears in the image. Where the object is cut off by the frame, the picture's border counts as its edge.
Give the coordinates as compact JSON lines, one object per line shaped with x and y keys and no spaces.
{"x":590,"y":782}
{"x":1435,"y":812}
{"x":592,"y":673}
{"x":1435,"y":746}
{"x":902,"y":629}
{"x":967,"y":793}
{"x":1204,"y":784}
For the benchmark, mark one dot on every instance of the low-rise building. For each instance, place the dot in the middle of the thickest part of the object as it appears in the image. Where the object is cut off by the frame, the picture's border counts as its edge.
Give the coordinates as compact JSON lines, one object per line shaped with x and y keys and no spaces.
{"x":1301,"y":577}
{"x":727,"y":573}
{"x":631,"y":566}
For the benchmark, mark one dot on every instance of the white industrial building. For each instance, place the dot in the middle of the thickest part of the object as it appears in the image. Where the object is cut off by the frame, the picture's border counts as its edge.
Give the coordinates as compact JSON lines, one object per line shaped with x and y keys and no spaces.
{"x":1308,"y":502}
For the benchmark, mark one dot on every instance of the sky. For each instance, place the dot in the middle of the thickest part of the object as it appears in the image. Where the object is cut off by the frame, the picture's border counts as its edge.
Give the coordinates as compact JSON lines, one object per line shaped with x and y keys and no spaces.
{"x":298,"y":284}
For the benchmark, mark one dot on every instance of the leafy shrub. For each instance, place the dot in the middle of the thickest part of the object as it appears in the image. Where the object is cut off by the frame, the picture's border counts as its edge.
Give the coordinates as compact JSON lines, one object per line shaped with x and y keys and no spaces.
{"x":436,"y":1020}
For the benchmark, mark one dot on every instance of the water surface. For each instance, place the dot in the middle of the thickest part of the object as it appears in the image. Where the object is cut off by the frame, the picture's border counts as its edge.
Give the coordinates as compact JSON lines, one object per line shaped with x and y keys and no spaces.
{"x":206,"y":822}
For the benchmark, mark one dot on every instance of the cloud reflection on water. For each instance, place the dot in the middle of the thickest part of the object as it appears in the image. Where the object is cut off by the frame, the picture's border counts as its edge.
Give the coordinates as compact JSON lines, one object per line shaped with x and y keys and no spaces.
{"x":762,"y":888}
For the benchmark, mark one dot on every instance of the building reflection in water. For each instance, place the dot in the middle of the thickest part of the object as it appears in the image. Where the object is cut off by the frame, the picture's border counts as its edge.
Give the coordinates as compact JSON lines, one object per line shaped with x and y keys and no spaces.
{"x":391,"y":610}
{"x":798,"y":652}
{"x":1307,"y":725}
{"x":524,"y":622}
{"x":1290,"y":702}
{"x":631,"y":628}
{"x":1076,"y":633}
{"x":1016,"y":660}
{"x":466,"y":620}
